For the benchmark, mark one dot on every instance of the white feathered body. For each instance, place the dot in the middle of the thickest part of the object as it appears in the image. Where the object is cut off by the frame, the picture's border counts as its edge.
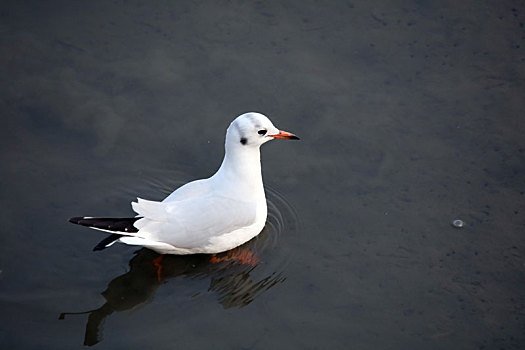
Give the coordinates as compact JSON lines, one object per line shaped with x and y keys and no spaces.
{"x":188,"y":223}
{"x":210,"y":215}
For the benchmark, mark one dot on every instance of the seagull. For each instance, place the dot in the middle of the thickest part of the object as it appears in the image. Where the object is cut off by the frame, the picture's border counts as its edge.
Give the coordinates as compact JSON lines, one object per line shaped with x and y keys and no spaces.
{"x":206,"y":216}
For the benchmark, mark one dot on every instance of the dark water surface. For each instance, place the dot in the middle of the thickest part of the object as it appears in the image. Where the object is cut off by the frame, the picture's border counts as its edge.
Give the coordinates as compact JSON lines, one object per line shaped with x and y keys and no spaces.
{"x":410,"y":114}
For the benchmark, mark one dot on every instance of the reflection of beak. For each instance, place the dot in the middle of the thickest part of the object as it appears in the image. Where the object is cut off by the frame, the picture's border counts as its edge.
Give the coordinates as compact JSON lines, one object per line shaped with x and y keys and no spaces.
{"x":285,"y":135}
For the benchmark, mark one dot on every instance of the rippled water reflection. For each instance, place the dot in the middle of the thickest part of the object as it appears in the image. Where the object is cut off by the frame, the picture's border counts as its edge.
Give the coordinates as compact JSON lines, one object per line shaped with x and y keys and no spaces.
{"x":234,"y":283}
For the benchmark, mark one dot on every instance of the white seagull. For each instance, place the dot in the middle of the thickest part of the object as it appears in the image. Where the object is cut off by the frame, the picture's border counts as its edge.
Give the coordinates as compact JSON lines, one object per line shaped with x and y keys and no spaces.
{"x":210,"y":215}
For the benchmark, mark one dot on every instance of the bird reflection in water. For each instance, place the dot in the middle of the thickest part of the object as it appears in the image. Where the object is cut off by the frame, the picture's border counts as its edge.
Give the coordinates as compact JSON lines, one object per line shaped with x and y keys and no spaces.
{"x":230,"y":280}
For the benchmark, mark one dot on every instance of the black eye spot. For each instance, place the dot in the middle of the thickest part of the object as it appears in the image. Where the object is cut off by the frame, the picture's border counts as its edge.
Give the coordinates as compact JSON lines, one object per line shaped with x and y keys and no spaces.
{"x":261,"y":132}
{"x":244,"y":140}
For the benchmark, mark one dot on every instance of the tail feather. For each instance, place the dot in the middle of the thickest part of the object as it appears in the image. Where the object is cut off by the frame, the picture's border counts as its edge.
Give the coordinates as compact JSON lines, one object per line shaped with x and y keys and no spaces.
{"x":118,"y":227}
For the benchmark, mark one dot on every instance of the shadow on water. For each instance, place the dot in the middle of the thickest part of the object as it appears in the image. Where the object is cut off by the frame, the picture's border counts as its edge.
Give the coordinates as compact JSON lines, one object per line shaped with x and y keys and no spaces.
{"x":235,"y":284}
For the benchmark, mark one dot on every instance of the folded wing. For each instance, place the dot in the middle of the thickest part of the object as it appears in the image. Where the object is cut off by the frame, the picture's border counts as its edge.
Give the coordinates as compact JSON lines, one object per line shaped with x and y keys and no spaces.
{"x":193,"y":222}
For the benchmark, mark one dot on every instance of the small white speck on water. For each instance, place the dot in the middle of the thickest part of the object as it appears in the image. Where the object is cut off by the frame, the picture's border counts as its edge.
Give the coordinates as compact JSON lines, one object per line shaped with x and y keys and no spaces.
{"x":458,"y":223}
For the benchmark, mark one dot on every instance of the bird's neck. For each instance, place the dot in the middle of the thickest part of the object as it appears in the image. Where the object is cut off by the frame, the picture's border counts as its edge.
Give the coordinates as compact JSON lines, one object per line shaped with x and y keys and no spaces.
{"x":241,"y":171}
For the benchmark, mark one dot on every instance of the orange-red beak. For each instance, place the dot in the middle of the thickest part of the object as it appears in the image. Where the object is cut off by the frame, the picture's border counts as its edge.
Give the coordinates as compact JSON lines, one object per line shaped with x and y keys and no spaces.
{"x":285,"y":135}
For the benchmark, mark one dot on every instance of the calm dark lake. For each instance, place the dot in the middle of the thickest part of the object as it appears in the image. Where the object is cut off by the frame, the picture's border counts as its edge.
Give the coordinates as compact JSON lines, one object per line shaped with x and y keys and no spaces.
{"x":411,"y":116}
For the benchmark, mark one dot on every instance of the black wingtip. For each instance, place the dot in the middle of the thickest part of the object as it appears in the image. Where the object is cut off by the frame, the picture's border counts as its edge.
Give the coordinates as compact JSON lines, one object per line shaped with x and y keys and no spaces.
{"x":75,"y":220}
{"x":119,"y":225}
{"x":103,"y":244}
{"x":99,"y":247}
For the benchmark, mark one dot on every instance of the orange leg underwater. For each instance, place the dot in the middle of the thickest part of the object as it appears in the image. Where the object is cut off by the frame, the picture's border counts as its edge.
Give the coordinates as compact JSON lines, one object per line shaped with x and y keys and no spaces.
{"x":242,"y":256}
{"x":157,"y":262}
